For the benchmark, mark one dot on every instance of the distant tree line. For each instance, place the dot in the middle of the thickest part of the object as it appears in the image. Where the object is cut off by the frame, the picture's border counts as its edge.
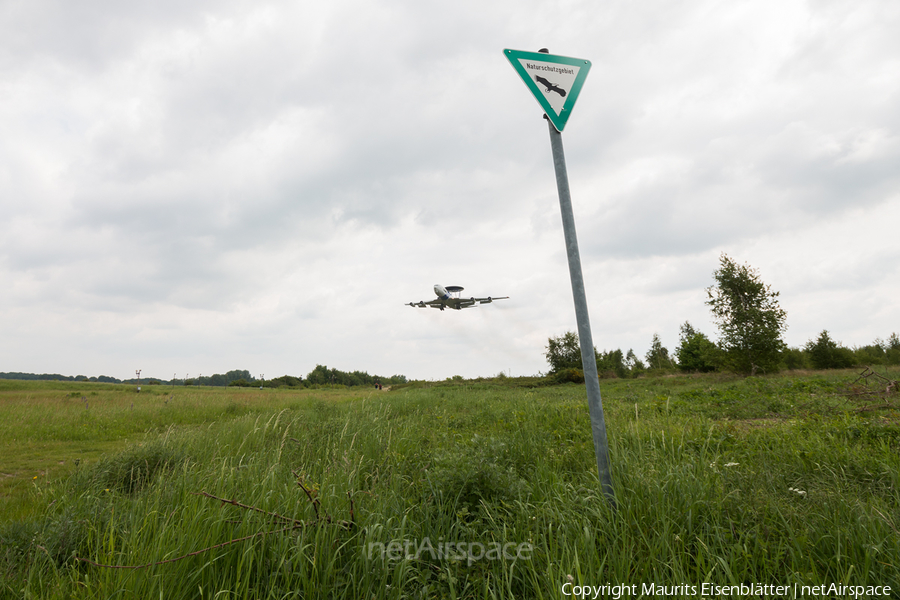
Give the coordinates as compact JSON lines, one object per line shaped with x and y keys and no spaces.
{"x":319,"y":376}
{"x":322,"y":375}
{"x":751,"y":324}
{"x":57,"y":377}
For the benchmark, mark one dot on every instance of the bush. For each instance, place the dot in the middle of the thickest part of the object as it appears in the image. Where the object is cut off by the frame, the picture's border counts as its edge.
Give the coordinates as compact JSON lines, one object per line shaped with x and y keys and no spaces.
{"x":795,"y":358}
{"x":564,"y":352}
{"x":696,"y":353}
{"x":483,"y":471}
{"x":825,"y":353}
{"x":892,"y":350}
{"x":130,"y":471}
{"x":611,"y":364}
{"x":568,"y":376}
{"x":657,"y":356}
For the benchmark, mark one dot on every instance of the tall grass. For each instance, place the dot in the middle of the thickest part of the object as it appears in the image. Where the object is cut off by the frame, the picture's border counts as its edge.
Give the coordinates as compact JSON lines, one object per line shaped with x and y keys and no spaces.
{"x":769,"y":480}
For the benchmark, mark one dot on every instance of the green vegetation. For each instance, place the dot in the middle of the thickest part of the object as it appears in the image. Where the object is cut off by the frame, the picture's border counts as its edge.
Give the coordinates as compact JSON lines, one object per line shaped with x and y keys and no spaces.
{"x":563,"y":353}
{"x":696,"y":353}
{"x":750,"y":320}
{"x":776,"y":479}
{"x":750,"y":327}
{"x":319,"y":376}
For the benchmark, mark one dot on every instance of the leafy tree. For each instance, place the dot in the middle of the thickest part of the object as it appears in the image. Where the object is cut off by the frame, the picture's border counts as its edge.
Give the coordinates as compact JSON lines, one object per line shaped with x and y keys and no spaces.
{"x":612,"y":363}
{"x":749,"y":318}
{"x":825,"y":353}
{"x":284,"y":381}
{"x":892,"y":350}
{"x":658,"y":355}
{"x":795,"y":358}
{"x":238,"y":374}
{"x":564,"y":352}
{"x":873,"y":354}
{"x":322,"y":375}
{"x":696,"y":353}
{"x":634,"y":365}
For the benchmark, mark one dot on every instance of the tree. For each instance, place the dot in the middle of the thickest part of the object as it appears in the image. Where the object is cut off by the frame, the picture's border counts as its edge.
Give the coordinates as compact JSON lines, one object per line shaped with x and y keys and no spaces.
{"x":658,"y":355}
{"x":795,"y":358}
{"x":825,"y":353}
{"x":612,"y":363}
{"x":749,"y":318}
{"x":564,"y":352}
{"x":892,"y":350}
{"x":696,"y":353}
{"x":633,"y":363}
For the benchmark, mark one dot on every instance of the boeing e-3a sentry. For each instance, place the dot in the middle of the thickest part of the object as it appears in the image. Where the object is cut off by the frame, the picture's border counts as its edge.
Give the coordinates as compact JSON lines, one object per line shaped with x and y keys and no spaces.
{"x":449,"y":297}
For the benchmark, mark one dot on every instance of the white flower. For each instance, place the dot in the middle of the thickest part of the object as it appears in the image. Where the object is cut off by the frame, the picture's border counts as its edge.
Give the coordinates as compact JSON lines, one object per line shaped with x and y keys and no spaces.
{"x":732,"y":464}
{"x":800,"y":493}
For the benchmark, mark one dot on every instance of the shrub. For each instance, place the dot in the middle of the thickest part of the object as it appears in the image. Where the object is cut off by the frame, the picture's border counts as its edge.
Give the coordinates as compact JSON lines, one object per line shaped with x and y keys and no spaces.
{"x":658,"y":355}
{"x":130,"y":471}
{"x":482,"y":471}
{"x":825,"y":353}
{"x":568,"y":376}
{"x":696,"y":353}
{"x":795,"y":358}
{"x":563,"y":352}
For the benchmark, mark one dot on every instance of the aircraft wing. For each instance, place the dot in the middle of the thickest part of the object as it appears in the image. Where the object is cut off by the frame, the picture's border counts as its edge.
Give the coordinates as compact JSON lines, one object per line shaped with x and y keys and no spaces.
{"x":488,"y":300}
{"x":455,"y":303}
{"x":467,"y":302}
{"x":423,"y":304}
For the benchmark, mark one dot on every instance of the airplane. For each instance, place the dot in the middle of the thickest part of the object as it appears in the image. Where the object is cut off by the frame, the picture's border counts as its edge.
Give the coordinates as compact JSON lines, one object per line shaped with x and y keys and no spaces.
{"x":449,"y":296}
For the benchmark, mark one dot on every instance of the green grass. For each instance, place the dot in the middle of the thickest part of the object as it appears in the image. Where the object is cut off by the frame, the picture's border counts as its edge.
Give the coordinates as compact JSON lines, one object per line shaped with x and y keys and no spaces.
{"x":777,"y":480}
{"x":48,"y":428}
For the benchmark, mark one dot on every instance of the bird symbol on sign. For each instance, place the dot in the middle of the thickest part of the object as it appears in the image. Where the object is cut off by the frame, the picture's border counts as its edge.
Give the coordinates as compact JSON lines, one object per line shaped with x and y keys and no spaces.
{"x":551,"y":87}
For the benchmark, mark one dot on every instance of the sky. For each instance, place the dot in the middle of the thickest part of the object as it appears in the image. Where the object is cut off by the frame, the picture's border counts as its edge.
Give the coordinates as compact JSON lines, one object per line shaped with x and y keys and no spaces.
{"x":191,"y":187}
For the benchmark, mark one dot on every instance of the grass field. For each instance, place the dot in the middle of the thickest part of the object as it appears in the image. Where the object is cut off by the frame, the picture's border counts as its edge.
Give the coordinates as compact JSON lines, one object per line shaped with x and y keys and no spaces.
{"x":467,"y":489}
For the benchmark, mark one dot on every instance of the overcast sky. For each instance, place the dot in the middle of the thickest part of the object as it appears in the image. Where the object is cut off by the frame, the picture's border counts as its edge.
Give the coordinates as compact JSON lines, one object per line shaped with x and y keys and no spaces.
{"x":190,"y":187}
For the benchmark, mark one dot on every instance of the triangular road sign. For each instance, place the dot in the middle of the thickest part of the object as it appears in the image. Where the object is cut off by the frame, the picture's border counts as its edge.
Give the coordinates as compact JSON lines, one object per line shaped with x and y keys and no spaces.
{"x":554,"y":80}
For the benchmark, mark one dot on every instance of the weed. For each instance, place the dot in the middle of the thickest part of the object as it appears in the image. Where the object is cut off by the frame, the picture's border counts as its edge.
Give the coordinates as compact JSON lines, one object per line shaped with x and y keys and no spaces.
{"x":130,"y":471}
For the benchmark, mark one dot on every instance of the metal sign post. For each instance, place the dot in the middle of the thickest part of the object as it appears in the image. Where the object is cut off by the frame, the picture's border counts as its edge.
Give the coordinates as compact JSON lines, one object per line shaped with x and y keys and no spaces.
{"x":588,"y":360}
{"x":527,"y":63}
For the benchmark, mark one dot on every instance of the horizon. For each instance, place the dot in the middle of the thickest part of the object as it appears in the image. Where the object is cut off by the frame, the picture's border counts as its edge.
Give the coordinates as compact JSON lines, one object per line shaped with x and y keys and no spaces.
{"x":192,"y":184}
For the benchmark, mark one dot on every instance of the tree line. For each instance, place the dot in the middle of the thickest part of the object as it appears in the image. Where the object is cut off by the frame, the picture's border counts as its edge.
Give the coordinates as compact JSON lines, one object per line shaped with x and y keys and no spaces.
{"x":319,"y":376}
{"x":751,"y":324}
{"x":58,"y":377}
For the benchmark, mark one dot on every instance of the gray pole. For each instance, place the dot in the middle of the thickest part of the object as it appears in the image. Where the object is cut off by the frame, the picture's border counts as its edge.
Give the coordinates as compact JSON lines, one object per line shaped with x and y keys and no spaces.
{"x":588,"y":361}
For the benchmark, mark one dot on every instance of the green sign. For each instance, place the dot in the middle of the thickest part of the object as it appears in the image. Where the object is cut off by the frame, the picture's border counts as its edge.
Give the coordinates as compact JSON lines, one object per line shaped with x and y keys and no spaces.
{"x":554,"y":80}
